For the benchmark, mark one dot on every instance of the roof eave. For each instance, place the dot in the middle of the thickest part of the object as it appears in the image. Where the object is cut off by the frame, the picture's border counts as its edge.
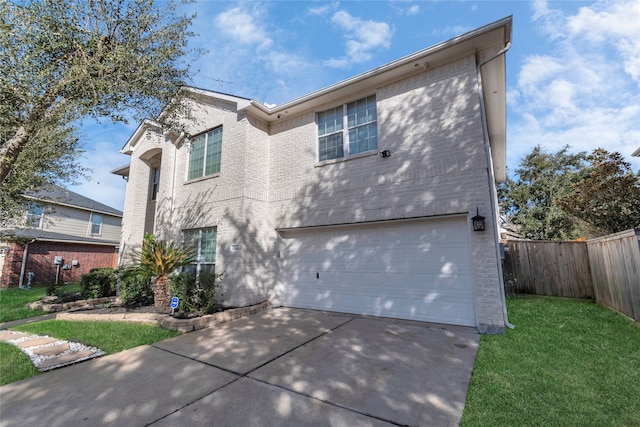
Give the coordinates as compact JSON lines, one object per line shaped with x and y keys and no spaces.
{"x":495,"y":35}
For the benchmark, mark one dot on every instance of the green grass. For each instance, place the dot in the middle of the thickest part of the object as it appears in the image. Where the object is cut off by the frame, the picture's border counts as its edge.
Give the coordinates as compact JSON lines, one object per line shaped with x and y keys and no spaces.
{"x":111,"y":337}
{"x":14,"y":364}
{"x":13,"y":301}
{"x":567,"y":363}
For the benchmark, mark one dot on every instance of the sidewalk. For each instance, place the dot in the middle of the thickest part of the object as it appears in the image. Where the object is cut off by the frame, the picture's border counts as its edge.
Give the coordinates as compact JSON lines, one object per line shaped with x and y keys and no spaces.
{"x":14,"y":323}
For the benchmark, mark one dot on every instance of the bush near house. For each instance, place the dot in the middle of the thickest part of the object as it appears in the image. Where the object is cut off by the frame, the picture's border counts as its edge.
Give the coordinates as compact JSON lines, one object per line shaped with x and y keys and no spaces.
{"x":135,"y":287}
{"x":99,"y":283}
{"x":196,"y":296}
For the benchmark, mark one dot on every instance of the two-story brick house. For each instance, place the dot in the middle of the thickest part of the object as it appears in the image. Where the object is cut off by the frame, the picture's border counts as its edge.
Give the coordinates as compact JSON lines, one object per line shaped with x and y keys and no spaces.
{"x":356,"y":198}
{"x":84,"y":233}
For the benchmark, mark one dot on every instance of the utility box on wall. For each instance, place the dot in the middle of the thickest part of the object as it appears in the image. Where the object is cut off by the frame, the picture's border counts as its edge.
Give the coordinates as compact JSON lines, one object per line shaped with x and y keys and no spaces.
{"x":57,"y":260}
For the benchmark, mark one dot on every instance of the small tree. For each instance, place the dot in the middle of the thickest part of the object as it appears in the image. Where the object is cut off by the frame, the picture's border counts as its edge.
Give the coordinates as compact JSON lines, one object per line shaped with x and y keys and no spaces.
{"x":159,"y":259}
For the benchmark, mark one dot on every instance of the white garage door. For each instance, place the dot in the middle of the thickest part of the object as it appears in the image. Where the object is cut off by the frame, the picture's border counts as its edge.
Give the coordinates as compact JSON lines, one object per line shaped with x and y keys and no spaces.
{"x":418,"y":270}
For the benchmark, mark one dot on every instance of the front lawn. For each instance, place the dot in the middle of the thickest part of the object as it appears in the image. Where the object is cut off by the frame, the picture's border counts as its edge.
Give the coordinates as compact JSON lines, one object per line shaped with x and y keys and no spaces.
{"x":112,"y":337}
{"x":13,"y":301}
{"x":567,"y":363}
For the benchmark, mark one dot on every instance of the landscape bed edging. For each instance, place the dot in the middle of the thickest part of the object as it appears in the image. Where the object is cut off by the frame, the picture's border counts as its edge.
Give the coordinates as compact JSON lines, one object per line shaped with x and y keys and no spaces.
{"x":168,"y":321}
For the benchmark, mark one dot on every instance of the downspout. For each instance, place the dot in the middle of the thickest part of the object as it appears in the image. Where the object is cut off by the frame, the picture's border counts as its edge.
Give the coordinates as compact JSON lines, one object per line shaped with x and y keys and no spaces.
{"x":492,"y":181}
{"x":23,"y":267}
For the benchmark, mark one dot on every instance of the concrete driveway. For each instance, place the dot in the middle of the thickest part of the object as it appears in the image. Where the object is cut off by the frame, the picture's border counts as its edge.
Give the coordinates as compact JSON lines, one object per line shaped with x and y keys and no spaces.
{"x":281,"y":367}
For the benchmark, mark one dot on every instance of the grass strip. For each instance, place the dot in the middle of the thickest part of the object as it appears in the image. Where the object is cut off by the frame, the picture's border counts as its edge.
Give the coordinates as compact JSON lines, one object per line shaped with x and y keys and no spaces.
{"x":13,"y":301}
{"x":568,"y":362}
{"x":112,"y":337}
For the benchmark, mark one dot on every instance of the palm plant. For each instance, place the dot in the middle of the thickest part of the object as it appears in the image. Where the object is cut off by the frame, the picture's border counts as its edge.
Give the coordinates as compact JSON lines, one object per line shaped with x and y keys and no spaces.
{"x":159,"y":258}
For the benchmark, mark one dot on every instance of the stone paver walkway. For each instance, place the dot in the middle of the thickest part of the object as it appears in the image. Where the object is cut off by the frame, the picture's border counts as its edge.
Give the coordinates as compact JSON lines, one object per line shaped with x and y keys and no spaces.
{"x":48,"y":353}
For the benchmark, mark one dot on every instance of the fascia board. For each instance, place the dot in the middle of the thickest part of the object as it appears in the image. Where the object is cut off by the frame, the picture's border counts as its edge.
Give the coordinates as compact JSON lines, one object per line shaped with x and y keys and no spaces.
{"x":495,"y":35}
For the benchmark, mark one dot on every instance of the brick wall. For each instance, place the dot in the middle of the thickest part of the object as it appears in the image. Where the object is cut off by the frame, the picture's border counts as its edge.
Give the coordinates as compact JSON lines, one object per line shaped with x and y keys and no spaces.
{"x":40,"y":261}
{"x":270,"y":179}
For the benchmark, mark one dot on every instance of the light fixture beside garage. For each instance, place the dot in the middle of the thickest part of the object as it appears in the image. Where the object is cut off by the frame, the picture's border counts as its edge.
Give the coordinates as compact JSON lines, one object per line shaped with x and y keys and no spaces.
{"x":478,"y":221}
{"x":385,"y":153}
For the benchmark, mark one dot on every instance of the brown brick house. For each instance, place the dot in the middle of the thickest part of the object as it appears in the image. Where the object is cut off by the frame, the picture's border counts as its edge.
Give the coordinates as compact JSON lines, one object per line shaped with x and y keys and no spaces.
{"x":58,"y":223}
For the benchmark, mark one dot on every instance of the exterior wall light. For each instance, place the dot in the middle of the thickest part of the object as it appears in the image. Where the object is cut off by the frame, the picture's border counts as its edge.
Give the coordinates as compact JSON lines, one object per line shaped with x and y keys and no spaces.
{"x":478,"y":221}
{"x":385,"y":153}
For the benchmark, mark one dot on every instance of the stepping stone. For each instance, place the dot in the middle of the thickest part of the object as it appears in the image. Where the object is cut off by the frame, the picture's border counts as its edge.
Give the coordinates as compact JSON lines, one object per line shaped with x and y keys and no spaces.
{"x":36,"y":341}
{"x":51,"y":350}
{"x":11,"y":335}
{"x":66,"y":359}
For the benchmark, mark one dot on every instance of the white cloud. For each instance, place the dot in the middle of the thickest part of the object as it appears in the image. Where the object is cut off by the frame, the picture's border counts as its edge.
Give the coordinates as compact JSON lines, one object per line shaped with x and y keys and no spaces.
{"x":618,"y":26}
{"x":363,"y":36}
{"x":584,"y":91}
{"x":413,"y":9}
{"x":405,"y":7}
{"x":240,"y":25}
{"x":322,"y":10}
{"x":285,"y":63}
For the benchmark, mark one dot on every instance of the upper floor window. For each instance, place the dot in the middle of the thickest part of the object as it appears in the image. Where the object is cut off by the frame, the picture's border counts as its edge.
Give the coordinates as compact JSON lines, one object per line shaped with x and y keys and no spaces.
{"x":35,"y":215}
{"x":205,"y":155}
{"x":96,"y":223}
{"x":347,"y":130}
{"x":155,"y":182}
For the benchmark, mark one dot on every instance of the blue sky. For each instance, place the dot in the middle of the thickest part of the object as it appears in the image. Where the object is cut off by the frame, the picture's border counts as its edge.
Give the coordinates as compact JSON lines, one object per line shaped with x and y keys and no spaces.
{"x":573,"y":71}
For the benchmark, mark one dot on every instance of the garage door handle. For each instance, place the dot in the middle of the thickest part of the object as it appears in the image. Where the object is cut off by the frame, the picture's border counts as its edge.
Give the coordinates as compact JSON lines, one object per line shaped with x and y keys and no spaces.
{"x":317,"y":275}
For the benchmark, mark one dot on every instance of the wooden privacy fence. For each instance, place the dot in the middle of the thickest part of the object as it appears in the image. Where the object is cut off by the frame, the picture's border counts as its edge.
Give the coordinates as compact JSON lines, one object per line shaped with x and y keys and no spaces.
{"x":548,"y":268}
{"x":615,"y":268}
{"x":606,"y":269}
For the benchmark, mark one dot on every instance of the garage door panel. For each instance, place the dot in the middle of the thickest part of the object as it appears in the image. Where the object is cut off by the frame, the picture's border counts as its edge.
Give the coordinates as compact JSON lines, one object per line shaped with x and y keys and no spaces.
{"x":416,"y":270}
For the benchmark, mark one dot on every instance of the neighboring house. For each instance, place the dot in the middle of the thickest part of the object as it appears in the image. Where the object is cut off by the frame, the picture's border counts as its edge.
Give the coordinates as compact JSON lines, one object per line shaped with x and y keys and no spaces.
{"x":355,"y":198}
{"x":59,"y":223}
{"x":636,"y":153}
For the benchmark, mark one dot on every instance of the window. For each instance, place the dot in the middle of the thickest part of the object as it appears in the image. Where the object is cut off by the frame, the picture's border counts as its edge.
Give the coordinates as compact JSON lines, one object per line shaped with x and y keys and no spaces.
{"x":203,"y":243}
{"x":35,"y":215}
{"x":206,"y":150}
{"x":96,"y":223}
{"x":155,"y":182}
{"x":347,"y":130}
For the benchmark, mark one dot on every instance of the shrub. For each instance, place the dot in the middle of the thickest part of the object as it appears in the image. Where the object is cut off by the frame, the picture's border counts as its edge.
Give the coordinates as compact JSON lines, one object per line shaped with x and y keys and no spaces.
{"x":135,"y":287}
{"x":98,"y":283}
{"x":201,"y":296}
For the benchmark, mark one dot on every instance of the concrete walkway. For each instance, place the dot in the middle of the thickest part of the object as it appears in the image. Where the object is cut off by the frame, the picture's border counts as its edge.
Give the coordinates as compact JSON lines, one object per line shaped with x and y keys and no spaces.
{"x":48,"y":353}
{"x":281,"y":367}
{"x":14,"y":323}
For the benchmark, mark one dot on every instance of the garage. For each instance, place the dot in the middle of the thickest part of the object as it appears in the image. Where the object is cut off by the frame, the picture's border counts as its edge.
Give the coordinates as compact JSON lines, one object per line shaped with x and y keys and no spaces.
{"x":416,"y":270}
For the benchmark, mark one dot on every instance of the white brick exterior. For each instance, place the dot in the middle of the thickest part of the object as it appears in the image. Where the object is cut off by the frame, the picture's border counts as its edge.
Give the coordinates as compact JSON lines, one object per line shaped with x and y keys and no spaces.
{"x":430,"y":121}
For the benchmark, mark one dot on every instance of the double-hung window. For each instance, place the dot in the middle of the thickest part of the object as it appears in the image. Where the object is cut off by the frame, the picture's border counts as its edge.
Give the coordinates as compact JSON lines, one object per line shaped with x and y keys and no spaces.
{"x":206,"y":150}
{"x":203,"y":243}
{"x":35,"y":213}
{"x":96,"y":224}
{"x":348,"y":129}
